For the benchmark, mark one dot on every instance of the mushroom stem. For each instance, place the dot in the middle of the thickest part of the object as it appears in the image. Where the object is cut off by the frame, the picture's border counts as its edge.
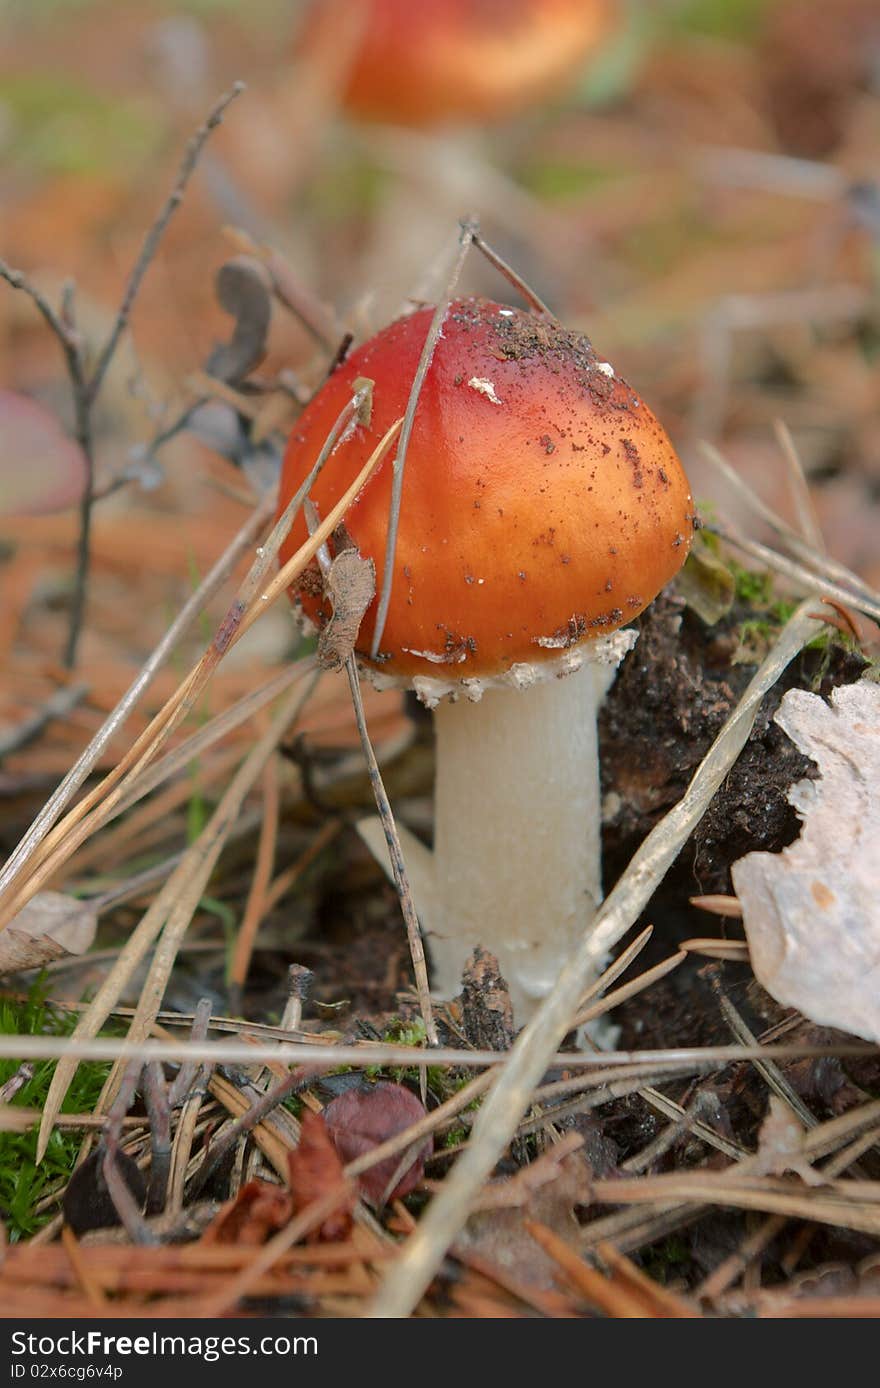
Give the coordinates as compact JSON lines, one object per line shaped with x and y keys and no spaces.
{"x":517,"y":859}
{"x":516,"y":865}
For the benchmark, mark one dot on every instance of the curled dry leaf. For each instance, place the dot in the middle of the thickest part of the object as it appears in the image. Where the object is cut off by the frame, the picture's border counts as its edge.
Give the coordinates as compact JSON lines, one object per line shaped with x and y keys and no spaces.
{"x":812,"y":912}
{"x":315,"y":1170}
{"x":257,"y":1212}
{"x":361,"y":1119}
{"x":781,"y":1146}
{"x":350,"y":586}
{"x":243,"y":288}
{"x":50,"y":926}
{"x":41,"y":469}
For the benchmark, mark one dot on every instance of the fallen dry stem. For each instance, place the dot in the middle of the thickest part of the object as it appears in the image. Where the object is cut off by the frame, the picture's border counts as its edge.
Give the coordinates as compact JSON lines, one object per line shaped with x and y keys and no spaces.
{"x":370,"y":1053}
{"x":842,"y":1204}
{"x":531,"y":1054}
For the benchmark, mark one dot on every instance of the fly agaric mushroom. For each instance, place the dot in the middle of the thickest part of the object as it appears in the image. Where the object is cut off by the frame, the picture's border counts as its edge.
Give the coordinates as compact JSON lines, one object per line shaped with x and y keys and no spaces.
{"x":543,"y":507}
{"x":437,"y":61}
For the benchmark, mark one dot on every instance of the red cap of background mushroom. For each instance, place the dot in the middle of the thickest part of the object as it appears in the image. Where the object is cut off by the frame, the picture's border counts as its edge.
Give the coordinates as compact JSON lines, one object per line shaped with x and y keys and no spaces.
{"x":422,"y":62}
{"x":543,"y":504}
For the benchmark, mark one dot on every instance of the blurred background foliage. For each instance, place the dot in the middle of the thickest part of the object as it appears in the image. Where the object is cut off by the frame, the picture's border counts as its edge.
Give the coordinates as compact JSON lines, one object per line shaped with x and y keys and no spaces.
{"x":700,"y":198}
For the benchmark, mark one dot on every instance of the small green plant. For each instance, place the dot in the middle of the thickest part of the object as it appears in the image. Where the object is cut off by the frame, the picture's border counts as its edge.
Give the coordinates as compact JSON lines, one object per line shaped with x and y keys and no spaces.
{"x":24,"y":1184}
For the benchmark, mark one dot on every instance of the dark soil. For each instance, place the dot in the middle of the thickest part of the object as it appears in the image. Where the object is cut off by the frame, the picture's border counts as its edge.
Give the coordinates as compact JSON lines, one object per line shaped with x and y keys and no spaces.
{"x":670,"y":699}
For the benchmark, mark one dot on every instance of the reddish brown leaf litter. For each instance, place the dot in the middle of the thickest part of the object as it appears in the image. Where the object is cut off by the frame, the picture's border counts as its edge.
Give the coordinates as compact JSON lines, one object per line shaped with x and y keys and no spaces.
{"x":361,"y":1119}
{"x":316,"y":1171}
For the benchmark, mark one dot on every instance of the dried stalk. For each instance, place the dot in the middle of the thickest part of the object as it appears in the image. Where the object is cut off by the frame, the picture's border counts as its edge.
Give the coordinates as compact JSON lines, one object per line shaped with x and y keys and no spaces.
{"x":509,"y":1099}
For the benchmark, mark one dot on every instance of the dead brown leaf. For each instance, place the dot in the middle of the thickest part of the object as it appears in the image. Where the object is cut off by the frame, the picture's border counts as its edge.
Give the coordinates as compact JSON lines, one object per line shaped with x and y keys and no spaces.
{"x":316,"y":1171}
{"x":51,"y":926}
{"x":259,"y":1210}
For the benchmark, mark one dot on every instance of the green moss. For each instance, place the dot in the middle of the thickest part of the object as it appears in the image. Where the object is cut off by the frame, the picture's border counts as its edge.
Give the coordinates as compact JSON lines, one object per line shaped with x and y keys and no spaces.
{"x":719,"y":19}
{"x":753,"y":587}
{"x":557,"y":181}
{"x":411,"y":1032}
{"x":23,"y":1184}
{"x":664,"y":1261}
{"x":455,"y":1137}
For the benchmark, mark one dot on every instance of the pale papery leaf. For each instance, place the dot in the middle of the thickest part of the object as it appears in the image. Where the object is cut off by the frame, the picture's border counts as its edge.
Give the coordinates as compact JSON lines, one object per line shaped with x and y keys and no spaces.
{"x":49,"y":927}
{"x":812,"y":912}
{"x":41,"y":469}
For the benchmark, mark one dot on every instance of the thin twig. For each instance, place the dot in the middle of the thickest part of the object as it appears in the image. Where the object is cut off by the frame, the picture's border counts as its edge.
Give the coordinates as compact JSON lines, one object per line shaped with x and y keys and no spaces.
{"x":85,"y":387}
{"x":58,"y":705}
{"x":817,"y":562}
{"x":156,"y":232}
{"x":519,"y":284}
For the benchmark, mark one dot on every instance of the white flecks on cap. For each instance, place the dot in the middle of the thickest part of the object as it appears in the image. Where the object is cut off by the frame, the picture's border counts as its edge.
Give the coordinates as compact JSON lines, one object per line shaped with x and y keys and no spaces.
{"x":604,"y":653}
{"x":485,"y":388}
{"x":605,"y":367}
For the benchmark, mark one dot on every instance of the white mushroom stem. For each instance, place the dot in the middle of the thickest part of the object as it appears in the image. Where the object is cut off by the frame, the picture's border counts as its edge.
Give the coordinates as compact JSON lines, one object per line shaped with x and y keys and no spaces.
{"x":516,"y":865}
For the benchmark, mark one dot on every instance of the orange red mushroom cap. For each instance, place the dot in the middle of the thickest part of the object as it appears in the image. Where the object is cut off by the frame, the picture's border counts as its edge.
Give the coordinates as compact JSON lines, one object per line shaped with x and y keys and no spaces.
{"x":424,"y":62}
{"x":543,"y":504}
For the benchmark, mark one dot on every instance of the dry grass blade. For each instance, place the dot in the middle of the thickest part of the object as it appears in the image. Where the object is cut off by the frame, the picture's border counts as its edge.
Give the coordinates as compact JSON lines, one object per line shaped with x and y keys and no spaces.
{"x":182,"y":757}
{"x":717,"y":948}
{"x":463,"y":243}
{"x":800,"y":488}
{"x":97,"y":807}
{"x":770,"y":1073}
{"x":256,"y":904}
{"x":307,"y":1050}
{"x":617,"y":966}
{"x":842,"y":1204}
{"x":814,"y":559}
{"x":629,"y":990}
{"x":505,"y":1106}
{"x":798,"y":573}
{"x":398,"y":867}
{"x":173,"y":909}
{"x":197,"y":866}
{"x":75,"y":777}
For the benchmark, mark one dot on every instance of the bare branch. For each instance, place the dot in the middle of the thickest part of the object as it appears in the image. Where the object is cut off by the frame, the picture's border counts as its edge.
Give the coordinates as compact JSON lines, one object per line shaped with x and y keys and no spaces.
{"x":156,"y":232}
